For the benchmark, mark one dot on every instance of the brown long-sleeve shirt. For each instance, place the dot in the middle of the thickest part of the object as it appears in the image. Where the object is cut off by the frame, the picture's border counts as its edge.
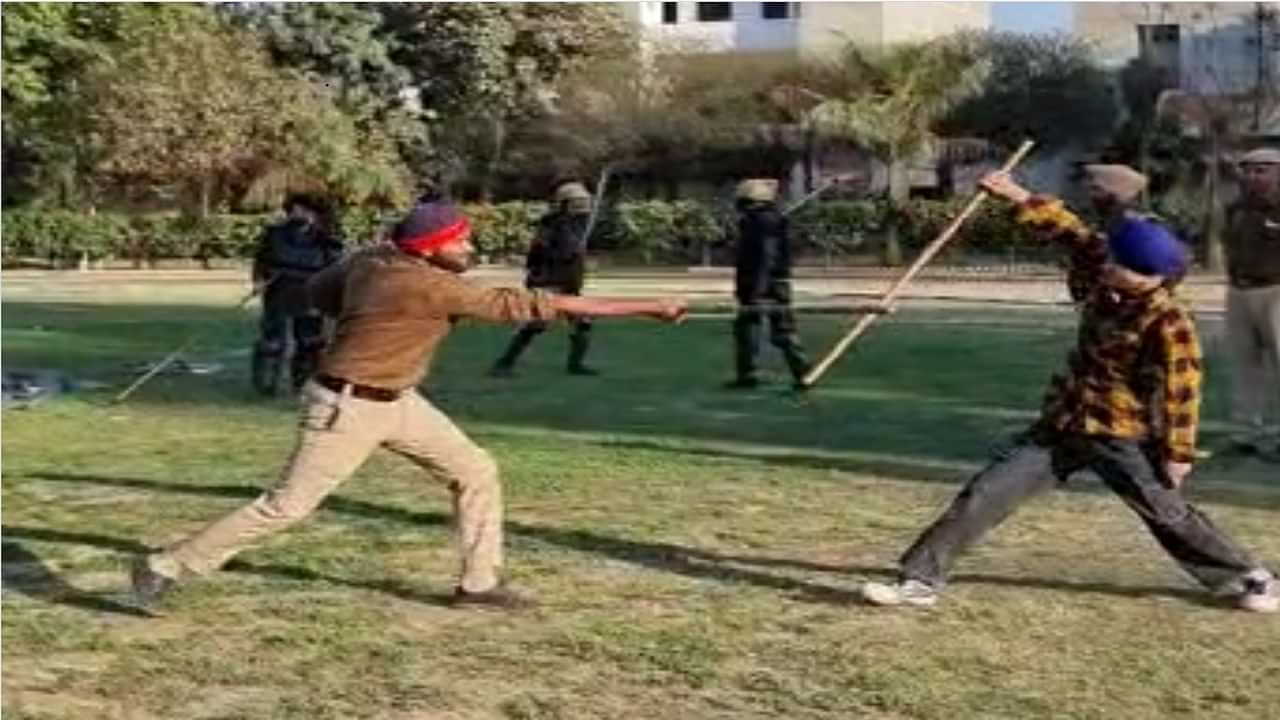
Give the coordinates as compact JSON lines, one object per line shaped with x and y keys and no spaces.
{"x":393,"y":310}
{"x":1253,"y":242}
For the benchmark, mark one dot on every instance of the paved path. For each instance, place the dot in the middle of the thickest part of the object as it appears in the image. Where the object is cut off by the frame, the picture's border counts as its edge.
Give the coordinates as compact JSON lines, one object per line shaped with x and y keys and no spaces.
{"x":1206,"y":293}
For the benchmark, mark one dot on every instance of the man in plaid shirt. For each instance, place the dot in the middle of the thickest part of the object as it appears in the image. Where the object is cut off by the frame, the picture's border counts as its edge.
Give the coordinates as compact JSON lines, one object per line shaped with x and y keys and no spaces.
{"x":1127,"y":408}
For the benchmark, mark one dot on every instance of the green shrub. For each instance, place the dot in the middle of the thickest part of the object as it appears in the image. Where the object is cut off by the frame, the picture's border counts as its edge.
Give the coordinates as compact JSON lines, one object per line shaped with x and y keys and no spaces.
{"x":504,"y":231}
{"x":649,"y":231}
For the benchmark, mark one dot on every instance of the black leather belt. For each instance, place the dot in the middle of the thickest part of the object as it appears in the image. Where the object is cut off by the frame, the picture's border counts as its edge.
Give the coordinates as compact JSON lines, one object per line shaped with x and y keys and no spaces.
{"x":364,"y":392}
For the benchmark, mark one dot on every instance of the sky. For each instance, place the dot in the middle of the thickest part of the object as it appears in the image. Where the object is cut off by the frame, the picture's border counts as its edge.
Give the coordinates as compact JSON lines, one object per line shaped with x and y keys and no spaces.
{"x":1031,"y":16}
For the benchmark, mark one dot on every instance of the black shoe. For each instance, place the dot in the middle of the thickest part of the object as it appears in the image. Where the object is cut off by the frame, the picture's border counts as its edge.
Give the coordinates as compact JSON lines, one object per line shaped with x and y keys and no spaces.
{"x":583,"y":370}
{"x":742,"y":384}
{"x":500,"y":597}
{"x":502,"y":371}
{"x":148,"y":585}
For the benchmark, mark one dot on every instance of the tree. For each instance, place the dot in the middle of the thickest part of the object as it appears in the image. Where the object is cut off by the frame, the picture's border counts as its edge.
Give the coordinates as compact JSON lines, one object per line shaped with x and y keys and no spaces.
{"x":47,"y":48}
{"x":480,"y":68}
{"x":201,"y":111}
{"x":1036,"y":82}
{"x":890,"y":101}
{"x":682,"y":116}
{"x":346,"y":47}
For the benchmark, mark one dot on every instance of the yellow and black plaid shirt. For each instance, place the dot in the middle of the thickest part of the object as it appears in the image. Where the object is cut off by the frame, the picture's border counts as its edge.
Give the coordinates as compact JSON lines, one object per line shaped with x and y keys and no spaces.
{"x":1136,"y":369}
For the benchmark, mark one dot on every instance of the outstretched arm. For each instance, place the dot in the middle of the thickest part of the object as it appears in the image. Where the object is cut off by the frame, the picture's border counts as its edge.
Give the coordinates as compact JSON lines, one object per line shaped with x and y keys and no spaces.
{"x":461,"y":298}
{"x":665,"y":309}
{"x":1050,"y":219}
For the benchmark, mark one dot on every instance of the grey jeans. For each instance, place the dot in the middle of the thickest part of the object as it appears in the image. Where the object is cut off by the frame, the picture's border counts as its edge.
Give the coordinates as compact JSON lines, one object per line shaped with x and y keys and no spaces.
{"x":993,"y":494}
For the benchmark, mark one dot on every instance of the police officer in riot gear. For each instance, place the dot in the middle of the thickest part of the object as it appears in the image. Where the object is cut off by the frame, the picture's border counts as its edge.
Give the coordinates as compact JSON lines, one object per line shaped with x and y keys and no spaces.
{"x":289,"y":253}
{"x":557,"y":263}
{"x":763,"y":284}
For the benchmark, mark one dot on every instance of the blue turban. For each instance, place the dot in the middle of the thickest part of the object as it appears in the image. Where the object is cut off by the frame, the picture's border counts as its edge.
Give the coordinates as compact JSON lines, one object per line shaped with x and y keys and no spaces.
{"x":1147,"y":247}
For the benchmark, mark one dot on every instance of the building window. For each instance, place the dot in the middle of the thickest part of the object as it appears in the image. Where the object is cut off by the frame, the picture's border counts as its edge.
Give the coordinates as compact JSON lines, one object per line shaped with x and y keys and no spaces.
{"x":670,"y":13}
{"x":775,"y":10}
{"x":715,"y":12}
{"x":1160,"y":47}
{"x":1159,"y":34}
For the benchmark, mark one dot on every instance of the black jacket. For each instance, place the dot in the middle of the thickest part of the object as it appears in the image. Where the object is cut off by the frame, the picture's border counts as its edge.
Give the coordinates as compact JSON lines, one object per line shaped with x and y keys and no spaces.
{"x":289,"y":253}
{"x":557,"y":258}
{"x":764,"y":254}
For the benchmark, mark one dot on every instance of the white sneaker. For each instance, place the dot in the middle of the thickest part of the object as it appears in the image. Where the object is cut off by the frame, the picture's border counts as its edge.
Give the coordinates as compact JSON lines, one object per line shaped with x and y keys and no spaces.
{"x":1261,"y":593}
{"x":908,"y":592}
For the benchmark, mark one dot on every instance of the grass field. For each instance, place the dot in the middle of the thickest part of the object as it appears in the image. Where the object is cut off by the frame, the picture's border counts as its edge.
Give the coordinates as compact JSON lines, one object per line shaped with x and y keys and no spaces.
{"x":694,"y":551}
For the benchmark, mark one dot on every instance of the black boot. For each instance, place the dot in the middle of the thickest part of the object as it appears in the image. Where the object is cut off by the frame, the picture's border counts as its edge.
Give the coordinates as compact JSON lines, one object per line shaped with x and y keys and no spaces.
{"x":303,"y":364}
{"x":799,"y":366}
{"x":579,"y":342}
{"x":506,"y":364}
{"x":746,"y":344}
{"x":266,"y":371}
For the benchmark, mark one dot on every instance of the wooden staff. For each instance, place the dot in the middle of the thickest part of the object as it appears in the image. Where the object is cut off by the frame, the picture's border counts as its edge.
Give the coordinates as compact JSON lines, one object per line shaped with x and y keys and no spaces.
{"x":595,"y":206}
{"x":726,"y":310}
{"x":186,"y":344}
{"x":898,"y":286}
{"x":821,"y":189}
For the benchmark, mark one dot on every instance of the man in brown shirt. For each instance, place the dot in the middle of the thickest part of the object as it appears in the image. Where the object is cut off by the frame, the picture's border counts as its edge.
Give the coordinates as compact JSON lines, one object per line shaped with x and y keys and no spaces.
{"x":1253,"y":301}
{"x":394,"y":304}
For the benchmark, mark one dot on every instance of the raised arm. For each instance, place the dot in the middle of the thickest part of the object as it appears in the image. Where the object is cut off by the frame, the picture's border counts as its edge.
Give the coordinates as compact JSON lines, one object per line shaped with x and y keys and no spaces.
{"x":1049,"y":218}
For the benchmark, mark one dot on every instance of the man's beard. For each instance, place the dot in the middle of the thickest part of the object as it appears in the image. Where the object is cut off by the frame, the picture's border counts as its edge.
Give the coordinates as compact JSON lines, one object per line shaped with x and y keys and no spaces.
{"x":1105,"y":206}
{"x":453,"y":263}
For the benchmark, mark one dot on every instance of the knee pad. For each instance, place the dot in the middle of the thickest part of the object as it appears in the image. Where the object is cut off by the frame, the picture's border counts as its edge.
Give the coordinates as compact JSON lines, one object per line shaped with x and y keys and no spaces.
{"x":270,"y":348}
{"x":311,"y":345}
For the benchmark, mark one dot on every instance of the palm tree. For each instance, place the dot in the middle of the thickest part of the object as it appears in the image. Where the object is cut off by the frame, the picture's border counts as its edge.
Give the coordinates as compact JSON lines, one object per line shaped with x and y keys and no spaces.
{"x":889,"y":100}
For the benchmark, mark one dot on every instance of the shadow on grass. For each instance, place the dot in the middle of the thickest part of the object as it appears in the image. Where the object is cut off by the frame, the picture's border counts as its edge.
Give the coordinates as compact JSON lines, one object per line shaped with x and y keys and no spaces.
{"x":665,"y":557}
{"x":1245,"y":495}
{"x":42,"y":583}
{"x":26,"y":573}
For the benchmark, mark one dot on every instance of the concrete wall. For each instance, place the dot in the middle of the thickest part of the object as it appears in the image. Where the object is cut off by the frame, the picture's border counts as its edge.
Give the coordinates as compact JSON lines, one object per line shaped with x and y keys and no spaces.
{"x":826,"y":27}
{"x":916,"y":21}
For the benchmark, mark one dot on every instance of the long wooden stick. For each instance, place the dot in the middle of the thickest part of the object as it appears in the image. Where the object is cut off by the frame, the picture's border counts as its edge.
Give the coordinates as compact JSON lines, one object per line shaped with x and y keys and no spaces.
{"x":596,"y":202}
{"x":191,"y":339}
{"x":898,"y":286}
{"x":821,"y":189}
{"x":728,"y":310}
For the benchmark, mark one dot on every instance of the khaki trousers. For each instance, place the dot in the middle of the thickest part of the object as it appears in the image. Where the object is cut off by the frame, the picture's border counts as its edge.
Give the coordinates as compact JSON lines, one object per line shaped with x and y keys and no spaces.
{"x":1253,"y":332}
{"x":337,"y":433}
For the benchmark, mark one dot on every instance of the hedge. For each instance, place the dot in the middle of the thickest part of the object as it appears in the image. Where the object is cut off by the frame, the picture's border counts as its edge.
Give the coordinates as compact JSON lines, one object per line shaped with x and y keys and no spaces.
{"x":651,"y":231}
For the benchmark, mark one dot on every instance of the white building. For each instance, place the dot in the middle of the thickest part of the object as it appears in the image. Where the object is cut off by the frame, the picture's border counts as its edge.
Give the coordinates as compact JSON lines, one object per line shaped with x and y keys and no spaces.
{"x":805,"y":28}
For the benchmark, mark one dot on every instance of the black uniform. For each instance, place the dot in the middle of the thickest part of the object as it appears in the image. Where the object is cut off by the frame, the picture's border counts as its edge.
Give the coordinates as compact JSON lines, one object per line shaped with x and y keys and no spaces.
{"x":763,"y":288}
{"x":289,"y":253}
{"x":556,"y":262}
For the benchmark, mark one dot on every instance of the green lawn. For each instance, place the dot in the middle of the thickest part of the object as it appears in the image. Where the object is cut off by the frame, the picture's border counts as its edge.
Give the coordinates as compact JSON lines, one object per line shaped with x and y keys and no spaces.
{"x":694,"y":551}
